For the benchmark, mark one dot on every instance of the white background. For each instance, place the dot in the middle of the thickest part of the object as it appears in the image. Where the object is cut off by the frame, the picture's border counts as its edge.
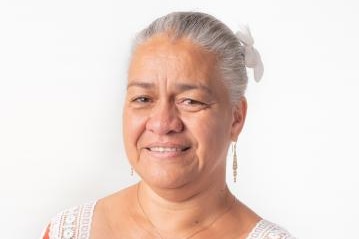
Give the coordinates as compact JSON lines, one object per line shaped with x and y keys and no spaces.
{"x":62,"y":76}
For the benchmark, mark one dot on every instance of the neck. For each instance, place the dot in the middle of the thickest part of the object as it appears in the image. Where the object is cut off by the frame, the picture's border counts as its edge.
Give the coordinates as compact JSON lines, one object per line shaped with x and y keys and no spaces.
{"x":187,"y":215}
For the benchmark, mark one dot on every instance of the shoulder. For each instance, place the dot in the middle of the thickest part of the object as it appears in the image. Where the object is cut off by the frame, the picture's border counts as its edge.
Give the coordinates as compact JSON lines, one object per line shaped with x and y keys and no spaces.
{"x":79,"y":221}
{"x":268,"y":230}
{"x":72,"y":223}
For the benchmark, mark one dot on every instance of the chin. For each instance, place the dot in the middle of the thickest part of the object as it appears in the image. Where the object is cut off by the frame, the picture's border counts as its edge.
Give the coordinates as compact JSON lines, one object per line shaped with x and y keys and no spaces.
{"x":166,"y":178}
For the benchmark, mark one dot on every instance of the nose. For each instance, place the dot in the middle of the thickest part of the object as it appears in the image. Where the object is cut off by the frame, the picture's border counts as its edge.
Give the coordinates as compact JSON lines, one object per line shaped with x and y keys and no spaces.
{"x":164,"y":119}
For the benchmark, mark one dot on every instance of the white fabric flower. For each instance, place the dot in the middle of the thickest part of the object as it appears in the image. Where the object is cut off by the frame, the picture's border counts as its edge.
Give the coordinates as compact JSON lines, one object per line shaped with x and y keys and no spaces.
{"x":252,"y":57}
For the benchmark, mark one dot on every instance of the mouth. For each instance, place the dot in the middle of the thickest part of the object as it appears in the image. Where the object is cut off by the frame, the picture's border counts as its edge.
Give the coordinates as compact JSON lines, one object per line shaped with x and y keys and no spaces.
{"x":163,"y":149}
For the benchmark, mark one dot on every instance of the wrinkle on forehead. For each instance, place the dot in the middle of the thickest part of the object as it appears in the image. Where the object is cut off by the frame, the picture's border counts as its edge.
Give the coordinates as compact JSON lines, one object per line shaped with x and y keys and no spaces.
{"x":177,"y":55}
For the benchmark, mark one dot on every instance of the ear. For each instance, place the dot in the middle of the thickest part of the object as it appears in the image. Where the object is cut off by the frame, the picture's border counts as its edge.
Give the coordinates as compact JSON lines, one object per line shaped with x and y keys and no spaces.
{"x":239,"y":112}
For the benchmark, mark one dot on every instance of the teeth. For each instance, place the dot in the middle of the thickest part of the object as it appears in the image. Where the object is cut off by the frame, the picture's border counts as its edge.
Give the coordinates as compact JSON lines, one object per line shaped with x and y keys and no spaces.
{"x":165,"y":149}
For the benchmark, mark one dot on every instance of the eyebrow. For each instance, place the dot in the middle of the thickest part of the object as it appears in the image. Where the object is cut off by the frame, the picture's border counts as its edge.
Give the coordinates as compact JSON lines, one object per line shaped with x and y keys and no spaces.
{"x":141,"y":85}
{"x":180,"y":86}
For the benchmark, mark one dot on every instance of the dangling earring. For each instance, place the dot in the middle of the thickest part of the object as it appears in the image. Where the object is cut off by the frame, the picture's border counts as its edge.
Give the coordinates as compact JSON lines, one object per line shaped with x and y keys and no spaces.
{"x":131,"y":171}
{"x":235,"y":164}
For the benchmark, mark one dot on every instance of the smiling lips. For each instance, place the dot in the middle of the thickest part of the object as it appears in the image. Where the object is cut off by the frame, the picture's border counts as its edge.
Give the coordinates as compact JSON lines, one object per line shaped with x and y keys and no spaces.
{"x":166,"y":149}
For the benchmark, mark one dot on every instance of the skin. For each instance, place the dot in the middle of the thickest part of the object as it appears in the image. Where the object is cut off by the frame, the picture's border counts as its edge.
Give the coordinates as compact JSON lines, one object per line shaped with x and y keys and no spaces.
{"x":178,"y":123}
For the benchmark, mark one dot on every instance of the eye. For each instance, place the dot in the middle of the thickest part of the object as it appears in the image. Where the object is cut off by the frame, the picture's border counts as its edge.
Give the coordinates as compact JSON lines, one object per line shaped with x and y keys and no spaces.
{"x":192,"y":102}
{"x":141,"y":99}
{"x":192,"y":105}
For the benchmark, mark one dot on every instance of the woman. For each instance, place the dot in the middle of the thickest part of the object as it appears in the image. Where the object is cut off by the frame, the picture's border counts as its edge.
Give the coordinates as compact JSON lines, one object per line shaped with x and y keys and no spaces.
{"x":184,"y":106}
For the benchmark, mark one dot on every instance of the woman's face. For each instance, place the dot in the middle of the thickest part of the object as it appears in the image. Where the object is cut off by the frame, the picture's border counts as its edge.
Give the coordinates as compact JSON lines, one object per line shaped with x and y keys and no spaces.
{"x":178,"y":120}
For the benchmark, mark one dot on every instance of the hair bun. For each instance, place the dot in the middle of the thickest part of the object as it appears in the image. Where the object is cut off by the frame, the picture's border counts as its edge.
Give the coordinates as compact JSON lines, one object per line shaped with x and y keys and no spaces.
{"x":252,"y":57}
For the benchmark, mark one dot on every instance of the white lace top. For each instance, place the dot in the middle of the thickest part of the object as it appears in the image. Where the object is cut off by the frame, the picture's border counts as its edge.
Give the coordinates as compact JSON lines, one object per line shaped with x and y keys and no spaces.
{"x":75,"y":223}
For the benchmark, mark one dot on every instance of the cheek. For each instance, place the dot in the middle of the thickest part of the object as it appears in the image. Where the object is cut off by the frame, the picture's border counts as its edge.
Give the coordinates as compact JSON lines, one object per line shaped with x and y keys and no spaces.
{"x":211,"y":133}
{"x":133,"y":127}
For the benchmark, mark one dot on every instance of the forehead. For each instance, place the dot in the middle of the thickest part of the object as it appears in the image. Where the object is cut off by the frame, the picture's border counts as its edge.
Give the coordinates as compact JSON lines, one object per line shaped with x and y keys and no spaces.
{"x":163,"y":56}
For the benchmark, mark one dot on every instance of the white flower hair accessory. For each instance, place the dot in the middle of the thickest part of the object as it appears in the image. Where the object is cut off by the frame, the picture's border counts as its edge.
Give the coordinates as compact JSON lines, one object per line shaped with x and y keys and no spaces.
{"x":252,"y":57}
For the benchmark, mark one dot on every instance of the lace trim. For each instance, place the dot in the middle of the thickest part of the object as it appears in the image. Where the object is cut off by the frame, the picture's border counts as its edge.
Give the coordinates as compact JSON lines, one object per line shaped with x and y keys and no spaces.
{"x":267,"y":230}
{"x":73,"y":223}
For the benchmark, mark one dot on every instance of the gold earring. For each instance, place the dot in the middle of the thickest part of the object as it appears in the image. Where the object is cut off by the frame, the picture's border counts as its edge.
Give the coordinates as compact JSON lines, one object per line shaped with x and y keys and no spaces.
{"x":235,"y":164}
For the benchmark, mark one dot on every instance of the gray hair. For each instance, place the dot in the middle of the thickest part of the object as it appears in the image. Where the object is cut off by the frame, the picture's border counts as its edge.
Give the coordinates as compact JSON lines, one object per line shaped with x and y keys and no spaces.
{"x":212,"y":35}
